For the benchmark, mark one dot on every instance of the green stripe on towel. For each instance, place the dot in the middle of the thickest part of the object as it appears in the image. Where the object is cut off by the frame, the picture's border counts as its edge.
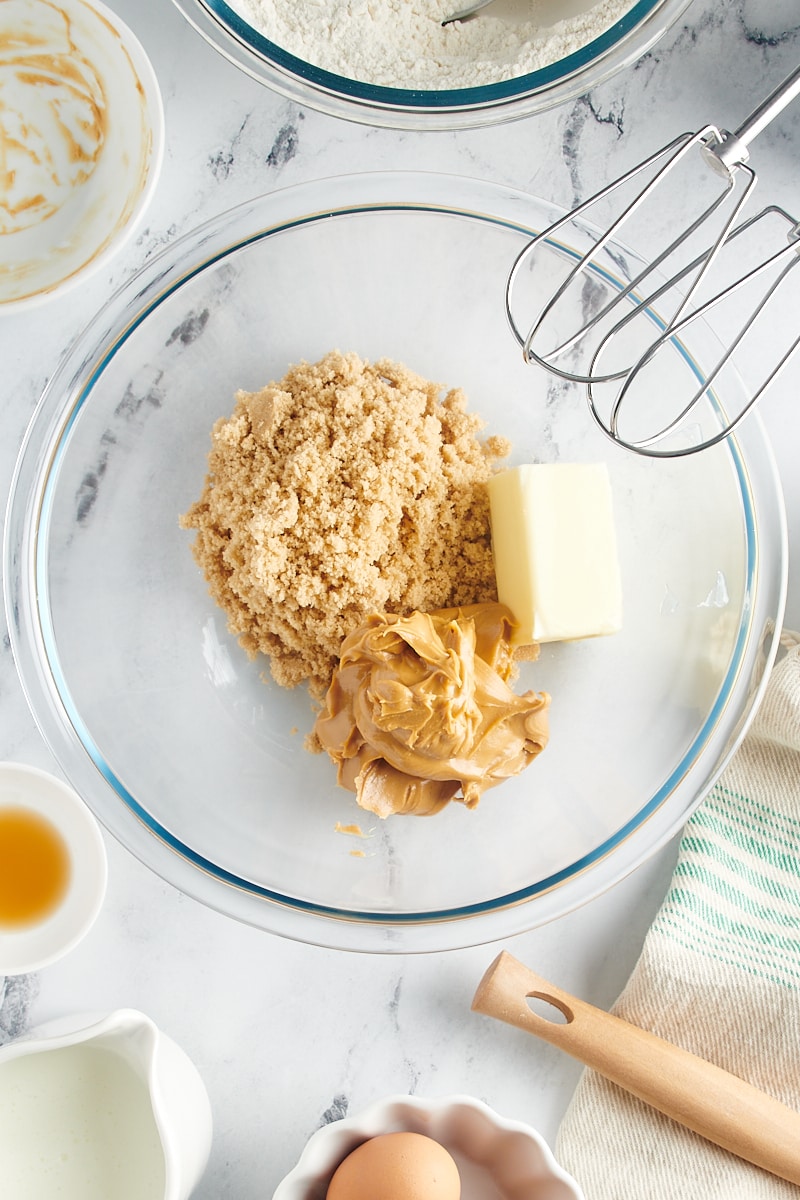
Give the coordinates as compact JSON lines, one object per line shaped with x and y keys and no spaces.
{"x":735,"y":892}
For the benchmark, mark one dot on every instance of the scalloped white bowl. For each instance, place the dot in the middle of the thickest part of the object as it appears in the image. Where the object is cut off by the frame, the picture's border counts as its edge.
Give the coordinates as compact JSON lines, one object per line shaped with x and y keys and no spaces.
{"x":496,"y":1157}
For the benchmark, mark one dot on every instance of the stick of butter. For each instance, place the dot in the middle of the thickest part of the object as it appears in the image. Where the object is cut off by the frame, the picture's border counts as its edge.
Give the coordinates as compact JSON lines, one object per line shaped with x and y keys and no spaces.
{"x":555,"y":551}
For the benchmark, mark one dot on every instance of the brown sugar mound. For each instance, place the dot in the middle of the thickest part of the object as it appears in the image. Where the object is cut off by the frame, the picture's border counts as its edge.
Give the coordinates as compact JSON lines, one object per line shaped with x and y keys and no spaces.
{"x":347,"y":488}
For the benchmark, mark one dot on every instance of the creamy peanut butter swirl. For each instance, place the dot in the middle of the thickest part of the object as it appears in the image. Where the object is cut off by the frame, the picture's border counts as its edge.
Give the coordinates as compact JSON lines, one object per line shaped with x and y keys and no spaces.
{"x":419,"y":711}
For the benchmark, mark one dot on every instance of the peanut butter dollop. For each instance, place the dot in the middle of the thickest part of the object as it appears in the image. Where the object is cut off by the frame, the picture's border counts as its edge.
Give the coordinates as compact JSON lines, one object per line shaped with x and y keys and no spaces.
{"x":419,"y":711}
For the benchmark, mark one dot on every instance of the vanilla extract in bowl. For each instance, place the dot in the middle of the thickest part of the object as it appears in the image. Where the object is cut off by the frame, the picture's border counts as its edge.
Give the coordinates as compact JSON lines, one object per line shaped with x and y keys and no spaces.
{"x":35,"y":867}
{"x":53,"y":869}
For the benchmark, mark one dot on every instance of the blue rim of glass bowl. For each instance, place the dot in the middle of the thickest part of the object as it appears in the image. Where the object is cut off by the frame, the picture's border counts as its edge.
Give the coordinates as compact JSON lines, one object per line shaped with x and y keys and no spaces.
{"x":412,"y":98}
{"x":516,"y":897}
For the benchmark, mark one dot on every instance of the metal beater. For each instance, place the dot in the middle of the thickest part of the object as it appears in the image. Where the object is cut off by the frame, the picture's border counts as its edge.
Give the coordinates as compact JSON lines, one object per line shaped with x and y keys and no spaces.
{"x":605,"y":322}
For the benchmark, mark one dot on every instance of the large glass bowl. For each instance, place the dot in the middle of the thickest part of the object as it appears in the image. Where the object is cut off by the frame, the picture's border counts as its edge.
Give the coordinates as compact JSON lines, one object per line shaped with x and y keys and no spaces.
{"x":180,"y":744}
{"x":411,"y":108}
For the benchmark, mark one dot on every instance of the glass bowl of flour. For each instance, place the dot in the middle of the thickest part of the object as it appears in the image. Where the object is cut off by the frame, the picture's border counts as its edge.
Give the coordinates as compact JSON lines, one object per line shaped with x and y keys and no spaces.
{"x":393,"y":62}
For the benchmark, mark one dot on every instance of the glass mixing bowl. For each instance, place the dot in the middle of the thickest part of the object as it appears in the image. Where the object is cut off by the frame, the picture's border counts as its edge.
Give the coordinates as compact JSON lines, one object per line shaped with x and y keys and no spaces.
{"x":178,"y":741}
{"x":411,"y":108}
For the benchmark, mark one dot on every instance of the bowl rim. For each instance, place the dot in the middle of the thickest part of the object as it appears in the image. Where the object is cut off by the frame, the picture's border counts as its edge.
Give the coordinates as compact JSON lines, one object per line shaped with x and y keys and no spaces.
{"x":25,"y":585}
{"x":631,"y":36}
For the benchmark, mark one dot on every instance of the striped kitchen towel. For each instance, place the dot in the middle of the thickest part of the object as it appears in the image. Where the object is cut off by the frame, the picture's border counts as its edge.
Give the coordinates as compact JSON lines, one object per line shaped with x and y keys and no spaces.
{"x":719,"y":974}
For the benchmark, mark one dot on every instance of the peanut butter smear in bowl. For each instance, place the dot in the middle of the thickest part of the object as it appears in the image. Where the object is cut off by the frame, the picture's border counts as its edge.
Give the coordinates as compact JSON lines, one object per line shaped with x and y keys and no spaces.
{"x":420,"y":710}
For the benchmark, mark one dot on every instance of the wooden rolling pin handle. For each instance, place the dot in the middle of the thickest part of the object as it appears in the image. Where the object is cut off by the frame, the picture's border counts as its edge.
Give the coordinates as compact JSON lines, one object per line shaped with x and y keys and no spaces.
{"x":719,"y":1106}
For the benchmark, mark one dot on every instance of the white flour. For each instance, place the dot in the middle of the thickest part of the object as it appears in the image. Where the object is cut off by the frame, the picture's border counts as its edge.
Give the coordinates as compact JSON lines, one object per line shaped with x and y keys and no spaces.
{"x":401,"y":43}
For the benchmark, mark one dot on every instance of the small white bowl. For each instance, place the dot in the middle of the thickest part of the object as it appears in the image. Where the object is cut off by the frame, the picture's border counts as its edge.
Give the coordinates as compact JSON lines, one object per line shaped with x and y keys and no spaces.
{"x":83,"y":123}
{"x":497,"y":1159}
{"x":30,"y":947}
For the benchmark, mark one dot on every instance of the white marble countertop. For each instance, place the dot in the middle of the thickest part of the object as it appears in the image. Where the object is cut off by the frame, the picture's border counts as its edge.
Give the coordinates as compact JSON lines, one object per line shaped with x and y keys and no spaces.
{"x":289,"y":1036}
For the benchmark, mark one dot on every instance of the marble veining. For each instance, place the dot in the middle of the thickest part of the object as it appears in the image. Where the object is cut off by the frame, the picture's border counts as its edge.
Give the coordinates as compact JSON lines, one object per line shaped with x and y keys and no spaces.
{"x":285,"y":146}
{"x":222,"y":161}
{"x":17,"y":995}
{"x":337,"y":1110}
{"x":86,"y":496}
{"x":189,"y":329}
{"x":134,"y":400}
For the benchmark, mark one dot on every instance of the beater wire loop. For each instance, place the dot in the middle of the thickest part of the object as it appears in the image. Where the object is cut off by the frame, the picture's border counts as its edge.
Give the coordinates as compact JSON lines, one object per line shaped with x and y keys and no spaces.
{"x":611,"y":314}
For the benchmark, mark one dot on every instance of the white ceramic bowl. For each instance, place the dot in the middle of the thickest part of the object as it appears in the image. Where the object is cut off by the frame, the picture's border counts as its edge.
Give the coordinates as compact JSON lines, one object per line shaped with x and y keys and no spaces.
{"x":30,"y":947}
{"x":83,"y":129}
{"x":496,"y":1158}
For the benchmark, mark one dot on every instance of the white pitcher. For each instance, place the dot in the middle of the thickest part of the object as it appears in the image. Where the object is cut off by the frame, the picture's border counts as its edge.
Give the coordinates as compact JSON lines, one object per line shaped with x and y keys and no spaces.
{"x":98,"y":1107}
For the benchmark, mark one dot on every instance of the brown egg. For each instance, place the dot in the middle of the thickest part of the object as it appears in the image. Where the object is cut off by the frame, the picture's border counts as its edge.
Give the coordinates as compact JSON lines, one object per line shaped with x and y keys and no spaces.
{"x":396,"y":1166}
